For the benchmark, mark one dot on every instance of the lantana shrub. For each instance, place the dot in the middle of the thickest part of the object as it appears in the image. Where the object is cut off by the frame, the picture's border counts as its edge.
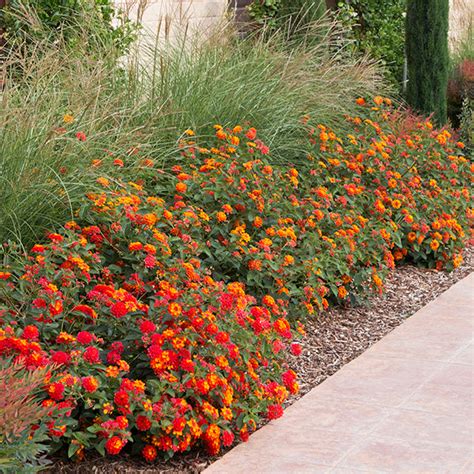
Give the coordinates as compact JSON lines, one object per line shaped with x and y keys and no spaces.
{"x":152,"y":350}
{"x":171,"y":315}
{"x":331,"y":227}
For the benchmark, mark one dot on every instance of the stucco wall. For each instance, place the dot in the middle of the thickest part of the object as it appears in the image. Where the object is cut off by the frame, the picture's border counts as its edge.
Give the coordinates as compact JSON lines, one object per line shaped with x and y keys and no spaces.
{"x":461,"y":15}
{"x":167,"y":16}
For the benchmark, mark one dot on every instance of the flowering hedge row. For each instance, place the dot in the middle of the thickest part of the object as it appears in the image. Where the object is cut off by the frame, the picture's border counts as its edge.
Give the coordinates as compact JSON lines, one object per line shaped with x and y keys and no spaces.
{"x":169,"y":319}
{"x":331,"y":227}
{"x":151,"y":349}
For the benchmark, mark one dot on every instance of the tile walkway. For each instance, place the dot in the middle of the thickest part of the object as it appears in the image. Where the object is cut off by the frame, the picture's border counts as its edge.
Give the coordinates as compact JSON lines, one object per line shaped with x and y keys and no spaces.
{"x":406,"y":405}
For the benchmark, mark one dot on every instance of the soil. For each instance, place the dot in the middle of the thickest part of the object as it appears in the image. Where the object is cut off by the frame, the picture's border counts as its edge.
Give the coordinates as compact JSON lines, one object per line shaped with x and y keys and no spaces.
{"x":332,"y":340}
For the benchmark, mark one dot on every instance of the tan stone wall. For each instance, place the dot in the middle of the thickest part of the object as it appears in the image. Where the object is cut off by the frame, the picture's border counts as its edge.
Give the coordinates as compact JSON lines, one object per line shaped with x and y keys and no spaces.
{"x":461,"y":16}
{"x":169,"y":16}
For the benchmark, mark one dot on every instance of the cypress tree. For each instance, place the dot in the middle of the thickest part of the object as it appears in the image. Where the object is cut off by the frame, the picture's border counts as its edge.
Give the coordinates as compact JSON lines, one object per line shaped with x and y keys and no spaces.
{"x":427,"y":25}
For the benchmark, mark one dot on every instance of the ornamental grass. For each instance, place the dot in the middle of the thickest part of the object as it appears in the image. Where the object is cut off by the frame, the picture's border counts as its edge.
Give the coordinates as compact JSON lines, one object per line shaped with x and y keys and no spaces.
{"x":136,"y":107}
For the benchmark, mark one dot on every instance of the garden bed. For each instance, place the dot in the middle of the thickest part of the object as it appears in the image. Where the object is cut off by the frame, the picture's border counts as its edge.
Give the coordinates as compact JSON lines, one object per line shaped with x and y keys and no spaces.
{"x":332,"y":340}
{"x":169,"y":312}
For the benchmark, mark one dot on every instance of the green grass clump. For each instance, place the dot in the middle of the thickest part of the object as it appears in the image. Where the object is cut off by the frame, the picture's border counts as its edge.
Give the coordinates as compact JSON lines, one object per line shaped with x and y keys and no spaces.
{"x":136,"y":108}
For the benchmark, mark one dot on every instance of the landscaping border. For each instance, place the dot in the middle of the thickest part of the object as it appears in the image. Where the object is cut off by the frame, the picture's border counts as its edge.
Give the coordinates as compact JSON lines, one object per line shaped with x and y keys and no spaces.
{"x":332,"y":340}
{"x":399,"y":407}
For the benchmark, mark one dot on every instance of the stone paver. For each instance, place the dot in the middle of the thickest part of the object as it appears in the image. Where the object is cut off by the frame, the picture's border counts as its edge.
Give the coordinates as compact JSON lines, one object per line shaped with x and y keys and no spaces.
{"x":406,"y":405}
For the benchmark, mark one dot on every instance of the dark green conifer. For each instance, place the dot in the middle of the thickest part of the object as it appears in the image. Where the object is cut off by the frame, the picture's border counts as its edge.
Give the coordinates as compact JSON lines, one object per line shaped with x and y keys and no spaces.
{"x":427,"y":25}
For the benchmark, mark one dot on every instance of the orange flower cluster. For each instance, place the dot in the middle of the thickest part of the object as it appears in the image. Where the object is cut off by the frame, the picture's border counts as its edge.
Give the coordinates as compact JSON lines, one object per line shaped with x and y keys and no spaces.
{"x":331,"y":227}
{"x":171,"y":318}
{"x":151,"y":350}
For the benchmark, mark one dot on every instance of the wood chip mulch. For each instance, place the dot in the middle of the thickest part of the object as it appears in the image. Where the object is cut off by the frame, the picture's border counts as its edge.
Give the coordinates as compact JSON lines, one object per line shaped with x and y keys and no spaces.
{"x":332,"y":340}
{"x":342,"y":334}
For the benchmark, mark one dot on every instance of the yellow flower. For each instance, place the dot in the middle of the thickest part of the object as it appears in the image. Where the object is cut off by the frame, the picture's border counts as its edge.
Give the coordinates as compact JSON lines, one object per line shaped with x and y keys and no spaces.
{"x":123,"y":365}
{"x":377,"y":280}
{"x":103,"y":181}
{"x":112,"y":371}
{"x":226,"y":413}
{"x":68,"y":118}
{"x":342,"y":292}
{"x":457,"y":260}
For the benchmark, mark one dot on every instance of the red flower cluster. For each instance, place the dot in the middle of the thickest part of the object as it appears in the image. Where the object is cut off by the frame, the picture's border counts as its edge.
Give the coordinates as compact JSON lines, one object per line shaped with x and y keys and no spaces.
{"x":160,"y":355}
{"x":170,"y":321}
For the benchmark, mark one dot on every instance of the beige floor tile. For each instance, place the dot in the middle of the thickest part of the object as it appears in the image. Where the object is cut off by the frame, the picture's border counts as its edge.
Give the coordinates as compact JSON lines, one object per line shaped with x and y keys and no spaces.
{"x":446,"y":399}
{"x":406,"y":456}
{"x":409,"y":425}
